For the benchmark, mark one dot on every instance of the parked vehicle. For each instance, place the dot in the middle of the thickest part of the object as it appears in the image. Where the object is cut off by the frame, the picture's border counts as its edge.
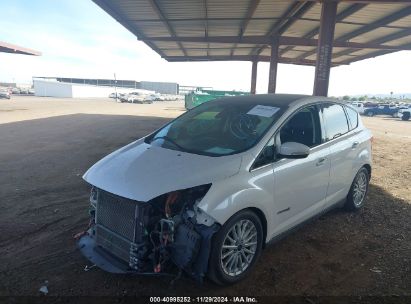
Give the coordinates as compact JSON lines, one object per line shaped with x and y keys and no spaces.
{"x":24,"y":91}
{"x":358,"y":106}
{"x":15,"y":91}
{"x":405,"y":113}
{"x":206,"y":192}
{"x":136,"y":97}
{"x":113,"y":95}
{"x":4,"y":94}
{"x":381,"y":110}
{"x":122,"y":97}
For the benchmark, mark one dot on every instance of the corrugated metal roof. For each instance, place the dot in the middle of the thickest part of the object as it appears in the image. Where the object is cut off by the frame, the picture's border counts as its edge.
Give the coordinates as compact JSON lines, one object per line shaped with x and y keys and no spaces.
{"x":15,"y":49}
{"x":190,"y":30}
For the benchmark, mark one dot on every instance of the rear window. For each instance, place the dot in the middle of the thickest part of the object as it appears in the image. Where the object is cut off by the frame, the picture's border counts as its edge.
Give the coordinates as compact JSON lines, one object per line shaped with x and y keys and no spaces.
{"x":335,"y":120}
{"x":353,"y":117}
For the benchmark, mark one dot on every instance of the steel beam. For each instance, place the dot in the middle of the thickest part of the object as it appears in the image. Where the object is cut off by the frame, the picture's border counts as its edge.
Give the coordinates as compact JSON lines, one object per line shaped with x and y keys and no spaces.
{"x":240,"y":58}
{"x":283,"y":40}
{"x":367,"y":28}
{"x":272,"y":77}
{"x":243,"y":27}
{"x":365,"y":1}
{"x":295,"y":11}
{"x":170,"y":29}
{"x":107,"y":7}
{"x":254,"y":77}
{"x":206,"y":23}
{"x":325,"y":47}
{"x":341,"y":16}
{"x":388,"y":38}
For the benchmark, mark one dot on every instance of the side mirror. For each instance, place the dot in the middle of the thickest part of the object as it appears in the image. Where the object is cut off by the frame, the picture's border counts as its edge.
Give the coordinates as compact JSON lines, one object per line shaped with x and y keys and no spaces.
{"x":293,"y":150}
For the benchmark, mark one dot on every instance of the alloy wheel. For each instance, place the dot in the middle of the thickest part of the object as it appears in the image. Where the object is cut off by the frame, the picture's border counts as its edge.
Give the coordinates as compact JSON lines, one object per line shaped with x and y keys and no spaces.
{"x":239,"y":247}
{"x":360,"y":189}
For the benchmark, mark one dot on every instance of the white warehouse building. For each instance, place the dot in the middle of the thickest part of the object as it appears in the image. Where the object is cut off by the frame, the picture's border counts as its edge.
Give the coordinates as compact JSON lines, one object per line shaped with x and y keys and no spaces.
{"x":84,"y":88}
{"x":52,"y":88}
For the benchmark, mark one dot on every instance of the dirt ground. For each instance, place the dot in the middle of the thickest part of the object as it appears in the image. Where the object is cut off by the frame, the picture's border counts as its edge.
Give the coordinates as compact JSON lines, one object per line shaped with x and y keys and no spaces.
{"x":47,"y":144}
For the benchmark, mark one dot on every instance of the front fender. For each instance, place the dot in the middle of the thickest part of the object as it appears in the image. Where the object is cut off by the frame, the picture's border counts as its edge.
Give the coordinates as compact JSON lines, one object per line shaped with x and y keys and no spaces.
{"x":246,"y":190}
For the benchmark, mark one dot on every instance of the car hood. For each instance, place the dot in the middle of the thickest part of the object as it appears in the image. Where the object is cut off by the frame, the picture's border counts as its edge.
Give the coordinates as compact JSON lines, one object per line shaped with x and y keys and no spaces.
{"x":141,"y":172}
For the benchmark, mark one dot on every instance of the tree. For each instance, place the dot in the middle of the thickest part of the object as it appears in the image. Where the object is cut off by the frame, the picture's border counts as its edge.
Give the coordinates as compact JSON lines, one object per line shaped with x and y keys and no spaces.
{"x":346,"y":97}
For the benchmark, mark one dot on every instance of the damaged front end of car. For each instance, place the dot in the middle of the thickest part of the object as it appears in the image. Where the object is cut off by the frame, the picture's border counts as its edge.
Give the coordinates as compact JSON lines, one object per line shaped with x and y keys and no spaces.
{"x":160,"y":236}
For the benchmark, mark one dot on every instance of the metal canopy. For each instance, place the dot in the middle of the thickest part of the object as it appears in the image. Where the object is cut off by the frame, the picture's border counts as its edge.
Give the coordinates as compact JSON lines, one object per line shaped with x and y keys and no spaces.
{"x":202,"y":30}
{"x":15,"y":49}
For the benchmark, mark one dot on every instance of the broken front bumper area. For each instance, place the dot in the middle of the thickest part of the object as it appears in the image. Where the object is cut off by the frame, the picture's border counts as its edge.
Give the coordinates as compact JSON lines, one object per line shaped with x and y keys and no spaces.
{"x":164,"y":236}
{"x":180,"y":256}
{"x":99,"y":256}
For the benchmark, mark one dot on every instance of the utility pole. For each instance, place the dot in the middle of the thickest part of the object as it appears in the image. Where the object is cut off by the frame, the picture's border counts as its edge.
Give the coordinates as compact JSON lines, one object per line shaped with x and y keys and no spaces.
{"x":115,"y":86}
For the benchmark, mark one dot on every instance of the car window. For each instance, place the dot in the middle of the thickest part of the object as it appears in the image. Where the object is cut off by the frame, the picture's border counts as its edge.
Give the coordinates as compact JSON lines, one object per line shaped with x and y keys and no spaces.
{"x":353,"y":117}
{"x":303,"y":127}
{"x":266,"y":156}
{"x":218,"y":128}
{"x":335,"y":120}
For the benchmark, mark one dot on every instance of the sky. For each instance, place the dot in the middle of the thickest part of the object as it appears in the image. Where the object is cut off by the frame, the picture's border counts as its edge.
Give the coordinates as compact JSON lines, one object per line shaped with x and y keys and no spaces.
{"x":78,"y":39}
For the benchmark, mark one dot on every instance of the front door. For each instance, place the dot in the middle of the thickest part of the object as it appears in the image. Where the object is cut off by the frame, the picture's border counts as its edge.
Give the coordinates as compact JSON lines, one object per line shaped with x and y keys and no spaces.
{"x":300,"y":185}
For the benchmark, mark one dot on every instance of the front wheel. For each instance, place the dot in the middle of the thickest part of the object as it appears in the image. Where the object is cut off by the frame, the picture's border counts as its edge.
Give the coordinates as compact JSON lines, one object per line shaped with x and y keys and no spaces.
{"x":358,"y":190}
{"x":406,"y":116}
{"x":236,"y":248}
{"x":370,"y":113}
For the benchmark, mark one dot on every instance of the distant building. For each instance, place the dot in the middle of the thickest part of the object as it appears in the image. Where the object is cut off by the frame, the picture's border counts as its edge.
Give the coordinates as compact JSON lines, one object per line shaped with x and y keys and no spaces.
{"x":86,"y":87}
{"x":54,"y":88}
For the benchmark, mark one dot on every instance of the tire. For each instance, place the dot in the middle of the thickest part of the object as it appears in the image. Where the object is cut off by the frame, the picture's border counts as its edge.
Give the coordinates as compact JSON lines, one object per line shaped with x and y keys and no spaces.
{"x":406,"y":116}
{"x":358,"y":191}
{"x":250,"y":223}
{"x":370,"y":113}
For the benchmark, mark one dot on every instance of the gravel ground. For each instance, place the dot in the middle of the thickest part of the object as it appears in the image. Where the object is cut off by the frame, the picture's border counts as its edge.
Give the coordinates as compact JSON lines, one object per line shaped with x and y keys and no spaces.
{"x":47,"y":144}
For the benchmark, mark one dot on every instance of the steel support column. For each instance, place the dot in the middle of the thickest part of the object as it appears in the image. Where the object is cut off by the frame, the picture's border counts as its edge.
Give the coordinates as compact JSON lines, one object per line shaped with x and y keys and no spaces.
{"x":272,"y":78}
{"x":253,"y":77}
{"x":325,"y":47}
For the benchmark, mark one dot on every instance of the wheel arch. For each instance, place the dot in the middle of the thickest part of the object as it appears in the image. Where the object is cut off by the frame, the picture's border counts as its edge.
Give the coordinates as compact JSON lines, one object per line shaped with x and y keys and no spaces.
{"x":263,"y":220}
{"x":368,"y":167}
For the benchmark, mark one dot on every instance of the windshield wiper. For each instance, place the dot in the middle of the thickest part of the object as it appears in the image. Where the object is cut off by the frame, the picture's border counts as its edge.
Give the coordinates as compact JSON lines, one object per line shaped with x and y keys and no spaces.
{"x":169,"y":140}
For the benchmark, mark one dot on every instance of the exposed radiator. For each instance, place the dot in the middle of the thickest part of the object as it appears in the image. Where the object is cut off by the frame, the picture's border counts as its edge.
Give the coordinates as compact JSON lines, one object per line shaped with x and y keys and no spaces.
{"x":115,"y":219}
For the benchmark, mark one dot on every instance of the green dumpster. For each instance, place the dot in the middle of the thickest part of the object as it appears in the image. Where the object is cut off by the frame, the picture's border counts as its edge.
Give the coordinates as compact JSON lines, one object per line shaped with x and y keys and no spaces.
{"x":198,"y":97}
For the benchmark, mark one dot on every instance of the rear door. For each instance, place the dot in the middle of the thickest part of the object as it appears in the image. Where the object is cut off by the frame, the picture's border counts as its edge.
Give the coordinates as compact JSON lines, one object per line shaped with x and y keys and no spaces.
{"x":342,"y":145}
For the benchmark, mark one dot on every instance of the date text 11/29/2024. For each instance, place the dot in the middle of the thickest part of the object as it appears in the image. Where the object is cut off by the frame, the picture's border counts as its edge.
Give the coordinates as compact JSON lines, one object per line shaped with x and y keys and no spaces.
{"x":204,"y":299}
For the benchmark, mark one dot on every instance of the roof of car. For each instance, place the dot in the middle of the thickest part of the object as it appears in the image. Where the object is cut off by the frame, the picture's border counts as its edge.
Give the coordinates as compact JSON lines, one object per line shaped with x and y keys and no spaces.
{"x":278,"y":100}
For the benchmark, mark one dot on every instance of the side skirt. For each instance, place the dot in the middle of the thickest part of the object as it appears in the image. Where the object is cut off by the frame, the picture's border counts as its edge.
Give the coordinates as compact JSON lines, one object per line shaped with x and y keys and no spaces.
{"x":284,"y":234}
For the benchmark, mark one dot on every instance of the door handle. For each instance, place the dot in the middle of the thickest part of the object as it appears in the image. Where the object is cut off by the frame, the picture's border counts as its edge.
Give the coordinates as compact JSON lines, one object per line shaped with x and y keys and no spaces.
{"x":355,"y":144}
{"x":321,"y":161}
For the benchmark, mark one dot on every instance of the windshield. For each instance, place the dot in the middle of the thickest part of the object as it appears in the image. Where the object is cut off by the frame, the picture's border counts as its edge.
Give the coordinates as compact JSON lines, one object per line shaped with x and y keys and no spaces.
{"x":217,"y":128}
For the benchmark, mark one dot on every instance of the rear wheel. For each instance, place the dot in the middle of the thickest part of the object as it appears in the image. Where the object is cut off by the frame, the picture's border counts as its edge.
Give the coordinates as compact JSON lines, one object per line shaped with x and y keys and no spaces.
{"x":236,"y":248}
{"x":370,"y":113}
{"x":358,"y":190}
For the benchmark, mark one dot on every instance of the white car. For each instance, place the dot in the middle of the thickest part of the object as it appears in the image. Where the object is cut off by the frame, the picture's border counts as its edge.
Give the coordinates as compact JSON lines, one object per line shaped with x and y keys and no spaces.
{"x":358,"y":106}
{"x":136,"y":97}
{"x":4,"y":94}
{"x":207,"y":192}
